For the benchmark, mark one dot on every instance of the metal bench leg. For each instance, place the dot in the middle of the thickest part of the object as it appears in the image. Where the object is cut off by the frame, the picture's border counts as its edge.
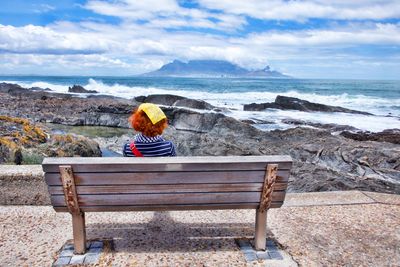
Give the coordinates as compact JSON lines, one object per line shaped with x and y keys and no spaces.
{"x":265,"y":203}
{"x":261,"y":230}
{"x":79,"y":233}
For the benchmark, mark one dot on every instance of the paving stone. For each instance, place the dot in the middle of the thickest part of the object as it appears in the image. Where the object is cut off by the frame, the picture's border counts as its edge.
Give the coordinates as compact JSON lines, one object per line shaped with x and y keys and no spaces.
{"x":264,"y":255}
{"x":62,"y":261}
{"x":67,"y":253}
{"x":95,"y":250}
{"x":275,"y":255}
{"x":96,"y":244}
{"x":77,"y":259}
{"x":250,"y":256}
{"x":244,"y":245}
{"x":68,"y":247}
{"x":270,"y":243}
{"x":241,"y":242}
{"x":92,"y":258}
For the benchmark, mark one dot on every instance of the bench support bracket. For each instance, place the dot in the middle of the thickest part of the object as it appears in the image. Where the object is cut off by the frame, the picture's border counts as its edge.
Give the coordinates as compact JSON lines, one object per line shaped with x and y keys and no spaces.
{"x":265,"y":202}
{"x":78,"y":217}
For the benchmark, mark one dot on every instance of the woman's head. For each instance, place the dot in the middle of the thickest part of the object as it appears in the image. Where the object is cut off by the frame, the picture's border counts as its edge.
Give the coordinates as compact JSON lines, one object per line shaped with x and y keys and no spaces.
{"x":149,"y":119}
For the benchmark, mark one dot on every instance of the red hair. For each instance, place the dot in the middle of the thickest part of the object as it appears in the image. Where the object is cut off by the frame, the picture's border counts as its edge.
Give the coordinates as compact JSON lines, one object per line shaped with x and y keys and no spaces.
{"x":141,"y":123}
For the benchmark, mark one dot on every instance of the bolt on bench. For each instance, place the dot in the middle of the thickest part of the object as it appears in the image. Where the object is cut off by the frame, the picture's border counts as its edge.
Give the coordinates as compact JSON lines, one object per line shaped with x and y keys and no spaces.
{"x":79,"y":185}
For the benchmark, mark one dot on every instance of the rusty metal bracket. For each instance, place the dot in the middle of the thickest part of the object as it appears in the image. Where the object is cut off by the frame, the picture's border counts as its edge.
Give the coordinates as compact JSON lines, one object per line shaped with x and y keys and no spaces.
{"x":68,"y":183}
{"x":268,"y":187}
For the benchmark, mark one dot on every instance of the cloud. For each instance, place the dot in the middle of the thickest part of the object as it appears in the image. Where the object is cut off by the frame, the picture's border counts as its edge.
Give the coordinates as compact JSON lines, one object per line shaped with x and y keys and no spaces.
{"x":378,"y":34}
{"x":43,"y":8}
{"x":152,"y":33}
{"x":303,"y":10}
{"x":166,"y":14}
{"x":131,"y":44}
{"x":44,"y":40}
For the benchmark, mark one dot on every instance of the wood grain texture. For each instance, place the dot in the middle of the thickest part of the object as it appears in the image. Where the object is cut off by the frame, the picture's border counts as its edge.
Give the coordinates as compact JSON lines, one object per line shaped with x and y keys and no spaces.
{"x":166,"y":164}
{"x":177,"y":188}
{"x":167,"y":177}
{"x":207,"y":206}
{"x":166,"y":160}
{"x":260,"y":235}
{"x":79,"y":232}
{"x":159,"y":199}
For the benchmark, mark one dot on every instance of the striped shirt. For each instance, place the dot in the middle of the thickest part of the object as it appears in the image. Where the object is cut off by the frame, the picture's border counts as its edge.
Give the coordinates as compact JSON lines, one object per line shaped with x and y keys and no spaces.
{"x":150,"y":147}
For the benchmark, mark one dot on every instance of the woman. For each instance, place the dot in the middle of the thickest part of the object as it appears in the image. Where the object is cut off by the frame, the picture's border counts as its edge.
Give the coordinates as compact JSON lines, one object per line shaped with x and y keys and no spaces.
{"x":150,"y":121}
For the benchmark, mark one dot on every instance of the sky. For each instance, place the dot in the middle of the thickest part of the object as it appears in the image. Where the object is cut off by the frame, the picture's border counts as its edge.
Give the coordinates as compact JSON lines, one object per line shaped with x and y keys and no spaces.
{"x":357,"y":39}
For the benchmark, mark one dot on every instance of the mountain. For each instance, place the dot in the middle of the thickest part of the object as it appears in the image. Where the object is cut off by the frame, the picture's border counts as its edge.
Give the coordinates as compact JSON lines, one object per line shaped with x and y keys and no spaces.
{"x":211,"y":68}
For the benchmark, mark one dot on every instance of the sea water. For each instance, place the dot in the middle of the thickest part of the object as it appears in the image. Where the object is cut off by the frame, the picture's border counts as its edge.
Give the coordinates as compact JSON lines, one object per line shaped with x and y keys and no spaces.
{"x":382,"y":98}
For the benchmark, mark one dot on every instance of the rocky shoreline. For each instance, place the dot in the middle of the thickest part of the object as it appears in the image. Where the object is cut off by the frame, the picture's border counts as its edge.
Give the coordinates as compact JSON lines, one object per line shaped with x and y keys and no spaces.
{"x":323,"y":159}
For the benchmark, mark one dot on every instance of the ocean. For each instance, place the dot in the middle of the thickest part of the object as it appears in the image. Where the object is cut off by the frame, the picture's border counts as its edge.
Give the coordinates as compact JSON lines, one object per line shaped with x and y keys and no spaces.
{"x":382,"y":98}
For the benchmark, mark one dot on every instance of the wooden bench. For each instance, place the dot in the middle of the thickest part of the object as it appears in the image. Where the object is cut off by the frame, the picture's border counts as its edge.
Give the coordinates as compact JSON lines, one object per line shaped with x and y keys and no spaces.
{"x":79,"y":185}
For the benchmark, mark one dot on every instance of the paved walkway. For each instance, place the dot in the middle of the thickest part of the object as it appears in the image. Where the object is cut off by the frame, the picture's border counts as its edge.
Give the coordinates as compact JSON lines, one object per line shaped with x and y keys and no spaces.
{"x":332,"y":228}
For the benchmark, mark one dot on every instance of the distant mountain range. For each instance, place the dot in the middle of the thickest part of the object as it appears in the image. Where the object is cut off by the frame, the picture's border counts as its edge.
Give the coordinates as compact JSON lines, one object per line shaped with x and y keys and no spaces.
{"x":211,"y":68}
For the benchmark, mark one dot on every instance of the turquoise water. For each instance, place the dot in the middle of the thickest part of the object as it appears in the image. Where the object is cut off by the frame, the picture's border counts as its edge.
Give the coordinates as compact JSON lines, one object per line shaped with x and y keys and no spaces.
{"x":381,"y":98}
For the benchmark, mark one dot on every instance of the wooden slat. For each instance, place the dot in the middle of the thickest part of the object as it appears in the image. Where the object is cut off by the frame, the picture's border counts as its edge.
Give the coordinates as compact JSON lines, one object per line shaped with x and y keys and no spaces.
{"x":167,"y":160}
{"x":166,"y":164}
{"x":207,"y":206}
{"x":176,"y":188}
{"x":166,"y":177}
{"x":159,"y":199}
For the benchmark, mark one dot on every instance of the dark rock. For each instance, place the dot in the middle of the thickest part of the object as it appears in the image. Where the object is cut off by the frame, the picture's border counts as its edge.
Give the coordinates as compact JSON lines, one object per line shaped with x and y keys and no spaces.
{"x":174,"y":100}
{"x":328,"y":126}
{"x":191,"y":121}
{"x":165,"y":99}
{"x":292,"y":103}
{"x":257,"y":121}
{"x":81,"y":90}
{"x":98,"y":96}
{"x":388,"y":135}
{"x":11,"y":88}
{"x":249,"y":121}
{"x":39,"y":89}
{"x":258,"y":106}
{"x":192,"y":103}
{"x":141,"y":99}
{"x":112,"y":108}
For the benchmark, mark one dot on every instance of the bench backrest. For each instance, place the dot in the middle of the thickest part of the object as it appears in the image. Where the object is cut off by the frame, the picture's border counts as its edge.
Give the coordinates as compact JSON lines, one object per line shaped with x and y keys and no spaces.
{"x":175,"y":183}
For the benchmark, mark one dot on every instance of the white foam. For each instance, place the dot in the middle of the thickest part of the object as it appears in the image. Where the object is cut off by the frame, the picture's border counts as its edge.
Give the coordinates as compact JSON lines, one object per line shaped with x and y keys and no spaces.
{"x":236,"y":100}
{"x":363,"y":122}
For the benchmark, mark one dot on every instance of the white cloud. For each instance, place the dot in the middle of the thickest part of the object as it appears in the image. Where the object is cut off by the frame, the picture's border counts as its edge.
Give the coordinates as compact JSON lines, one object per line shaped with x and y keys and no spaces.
{"x":42,"y":8}
{"x":137,"y":47}
{"x":376,"y":35}
{"x":153,"y":33}
{"x":302,"y":10}
{"x":132,"y":9}
{"x":166,"y":14}
{"x":44,"y":40}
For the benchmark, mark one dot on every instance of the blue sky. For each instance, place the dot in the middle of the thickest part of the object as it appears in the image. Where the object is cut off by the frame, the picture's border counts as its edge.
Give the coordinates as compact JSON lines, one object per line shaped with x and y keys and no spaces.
{"x":357,"y":39}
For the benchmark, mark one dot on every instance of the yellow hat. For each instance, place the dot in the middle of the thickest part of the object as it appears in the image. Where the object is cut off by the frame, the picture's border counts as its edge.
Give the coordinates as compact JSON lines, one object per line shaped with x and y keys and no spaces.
{"x":152,"y":111}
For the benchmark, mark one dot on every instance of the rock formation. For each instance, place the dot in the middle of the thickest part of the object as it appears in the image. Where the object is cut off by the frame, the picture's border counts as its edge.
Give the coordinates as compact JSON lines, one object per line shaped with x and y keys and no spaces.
{"x":22,"y":142}
{"x":322,"y":161}
{"x":81,"y":90}
{"x":388,"y":135}
{"x":292,"y":103}
{"x":176,"y":101}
